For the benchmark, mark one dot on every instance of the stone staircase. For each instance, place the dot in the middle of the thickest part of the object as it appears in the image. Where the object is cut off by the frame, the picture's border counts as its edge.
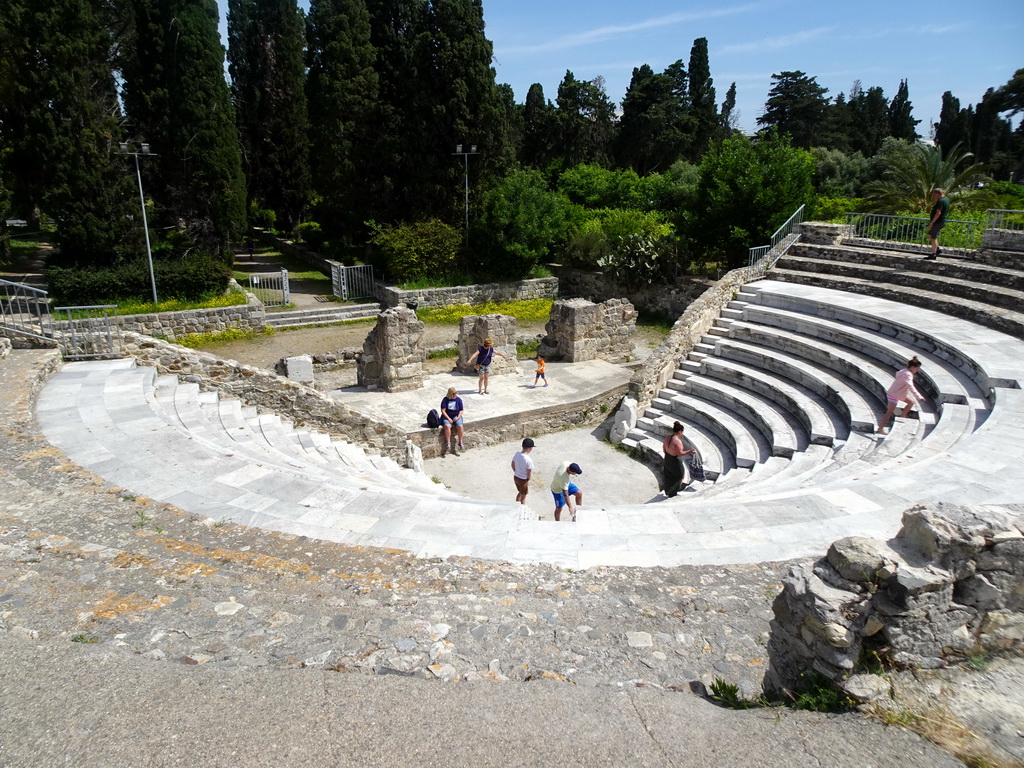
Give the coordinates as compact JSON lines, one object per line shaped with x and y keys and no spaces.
{"x":784,"y":391}
{"x":330,"y":313}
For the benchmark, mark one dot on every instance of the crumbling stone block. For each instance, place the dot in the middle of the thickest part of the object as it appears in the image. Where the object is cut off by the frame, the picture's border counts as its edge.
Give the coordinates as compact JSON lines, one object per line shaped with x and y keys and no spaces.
{"x":393,"y":353}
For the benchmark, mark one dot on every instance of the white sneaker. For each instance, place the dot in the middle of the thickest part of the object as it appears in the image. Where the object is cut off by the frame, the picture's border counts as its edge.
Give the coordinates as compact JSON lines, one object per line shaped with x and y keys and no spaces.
{"x":883,"y":431}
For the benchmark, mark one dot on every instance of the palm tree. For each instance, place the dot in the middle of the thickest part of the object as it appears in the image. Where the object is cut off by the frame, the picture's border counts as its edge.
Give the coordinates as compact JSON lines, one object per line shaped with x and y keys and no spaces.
{"x":907,"y":184}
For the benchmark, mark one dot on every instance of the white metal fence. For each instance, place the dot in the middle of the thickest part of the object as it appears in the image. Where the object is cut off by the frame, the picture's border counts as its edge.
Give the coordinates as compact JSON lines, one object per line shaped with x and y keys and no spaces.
{"x":999,"y":218}
{"x":780,"y":234}
{"x":25,"y":310}
{"x":352,"y":282}
{"x":271,"y":288}
{"x":84,"y":333}
{"x":897,"y":232}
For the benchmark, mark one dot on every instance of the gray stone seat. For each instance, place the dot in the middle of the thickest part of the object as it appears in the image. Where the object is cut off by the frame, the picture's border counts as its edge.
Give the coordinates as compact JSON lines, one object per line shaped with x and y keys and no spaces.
{"x":746,"y":442}
{"x":1005,"y":320}
{"x":964,"y":279}
{"x":772,"y":421}
{"x":803,"y":404}
{"x":850,"y":401}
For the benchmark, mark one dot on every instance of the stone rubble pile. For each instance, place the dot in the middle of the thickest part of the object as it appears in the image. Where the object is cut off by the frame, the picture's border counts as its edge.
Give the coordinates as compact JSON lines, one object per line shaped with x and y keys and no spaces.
{"x":950,"y":585}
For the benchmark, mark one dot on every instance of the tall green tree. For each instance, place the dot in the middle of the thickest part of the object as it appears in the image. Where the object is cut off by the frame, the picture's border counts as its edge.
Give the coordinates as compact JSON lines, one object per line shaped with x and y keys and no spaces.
{"x":954,"y":126}
{"x":177,"y":99}
{"x":902,"y":124}
{"x":266,"y":62}
{"x":796,"y":105}
{"x":652,"y":129}
{"x":870,"y":119}
{"x":701,"y":98}
{"x":59,"y":126}
{"x":585,"y":127}
{"x":343,"y":91}
{"x":729,"y":114}
{"x":537,"y":149}
{"x":746,"y":190}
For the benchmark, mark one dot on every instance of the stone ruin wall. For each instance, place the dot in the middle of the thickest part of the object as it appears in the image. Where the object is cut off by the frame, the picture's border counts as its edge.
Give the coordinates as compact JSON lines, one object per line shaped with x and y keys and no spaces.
{"x":393,"y":353}
{"x":580,"y":330}
{"x":949,"y":585}
{"x":502,"y":330}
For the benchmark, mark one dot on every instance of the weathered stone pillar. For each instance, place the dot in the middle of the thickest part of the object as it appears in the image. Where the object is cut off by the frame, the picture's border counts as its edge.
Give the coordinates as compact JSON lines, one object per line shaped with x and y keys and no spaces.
{"x":393,"y":353}
{"x":500,"y":329}
{"x":581,"y":330}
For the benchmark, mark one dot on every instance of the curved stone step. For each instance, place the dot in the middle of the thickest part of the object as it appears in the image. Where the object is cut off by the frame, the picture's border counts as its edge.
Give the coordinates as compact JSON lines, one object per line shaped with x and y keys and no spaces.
{"x":747,"y":443}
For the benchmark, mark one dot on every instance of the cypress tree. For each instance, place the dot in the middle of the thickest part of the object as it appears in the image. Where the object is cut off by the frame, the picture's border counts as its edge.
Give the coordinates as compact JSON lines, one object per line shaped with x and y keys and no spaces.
{"x":177,"y":100}
{"x":651,"y":130}
{"x":702,"y":103}
{"x":954,"y":126}
{"x":398,"y":33}
{"x":902,"y":125}
{"x":266,"y":63}
{"x":585,"y":130}
{"x":342,"y":91}
{"x":729,"y":116}
{"x":59,"y":124}
{"x":870,"y":120}
{"x":538,"y":129}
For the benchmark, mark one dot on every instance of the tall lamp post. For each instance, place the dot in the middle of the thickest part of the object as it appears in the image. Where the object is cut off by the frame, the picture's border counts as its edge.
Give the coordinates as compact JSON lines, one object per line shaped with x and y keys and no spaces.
{"x":465,"y":161}
{"x":143,"y":150}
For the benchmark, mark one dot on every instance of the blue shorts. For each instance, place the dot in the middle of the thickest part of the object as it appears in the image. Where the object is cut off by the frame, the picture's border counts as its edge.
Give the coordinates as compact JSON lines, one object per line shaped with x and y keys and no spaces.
{"x":540,"y":375}
{"x":484,"y":369}
{"x":560,"y":497}
{"x":457,"y":423}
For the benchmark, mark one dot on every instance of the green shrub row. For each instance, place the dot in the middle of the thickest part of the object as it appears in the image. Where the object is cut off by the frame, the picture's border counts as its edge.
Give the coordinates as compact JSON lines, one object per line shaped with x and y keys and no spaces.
{"x":190,"y":278}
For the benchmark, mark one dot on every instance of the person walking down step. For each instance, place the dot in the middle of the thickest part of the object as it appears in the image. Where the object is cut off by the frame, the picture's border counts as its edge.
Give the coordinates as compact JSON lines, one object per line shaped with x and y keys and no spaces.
{"x":541,"y":374}
{"x":674,"y":450}
{"x":565,"y":491}
{"x":902,"y":388}
{"x":452,"y":416}
{"x":522,"y":470}
{"x":938,"y":220}
{"x":483,"y":356}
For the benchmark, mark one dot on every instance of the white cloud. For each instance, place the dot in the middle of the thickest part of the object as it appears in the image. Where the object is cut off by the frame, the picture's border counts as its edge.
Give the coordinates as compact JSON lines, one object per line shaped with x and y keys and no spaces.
{"x":602,"y":34}
{"x":777,"y":43}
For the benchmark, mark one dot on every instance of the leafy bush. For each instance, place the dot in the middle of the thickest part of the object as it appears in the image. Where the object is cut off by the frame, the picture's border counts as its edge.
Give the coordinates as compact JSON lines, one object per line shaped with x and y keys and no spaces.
{"x":261,"y":217}
{"x":191,"y":278}
{"x":520,"y":222}
{"x":414,"y":250}
{"x":312,"y":234}
{"x":634,"y":246}
{"x":836,"y":208}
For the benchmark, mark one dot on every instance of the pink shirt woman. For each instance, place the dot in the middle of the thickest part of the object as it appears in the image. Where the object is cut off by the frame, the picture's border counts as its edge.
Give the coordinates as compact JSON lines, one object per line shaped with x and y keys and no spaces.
{"x":901,"y":389}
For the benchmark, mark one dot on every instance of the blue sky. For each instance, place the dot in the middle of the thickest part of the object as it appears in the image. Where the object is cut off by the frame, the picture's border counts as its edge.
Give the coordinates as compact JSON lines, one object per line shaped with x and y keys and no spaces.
{"x":964,"y":47}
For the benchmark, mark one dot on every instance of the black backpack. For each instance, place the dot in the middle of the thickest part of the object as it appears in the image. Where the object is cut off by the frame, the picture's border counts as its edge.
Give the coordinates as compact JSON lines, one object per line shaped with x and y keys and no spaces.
{"x":433,"y":419}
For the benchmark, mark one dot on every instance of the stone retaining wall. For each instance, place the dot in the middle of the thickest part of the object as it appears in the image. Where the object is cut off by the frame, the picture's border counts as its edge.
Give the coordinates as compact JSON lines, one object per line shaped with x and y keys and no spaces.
{"x":255,"y":386}
{"x":1003,"y":240}
{"x":951,"y":584}
{"x":516,"y":426}
{"x":580,"y":330}
{"x":538,"y":288}
{"x":667,"y":300}
{"x":173,"y":325}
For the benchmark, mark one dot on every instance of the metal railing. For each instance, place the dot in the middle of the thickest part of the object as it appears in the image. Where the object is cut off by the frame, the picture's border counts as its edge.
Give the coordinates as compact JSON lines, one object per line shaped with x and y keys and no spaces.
{"x":999,"y":218}
{"x":88,"y":332}
{"x":788,"y":228}
{"x":25,"y":310}
{"x":903,"y":233}
{"x":352,"y":282}
{"x":271,"y":288}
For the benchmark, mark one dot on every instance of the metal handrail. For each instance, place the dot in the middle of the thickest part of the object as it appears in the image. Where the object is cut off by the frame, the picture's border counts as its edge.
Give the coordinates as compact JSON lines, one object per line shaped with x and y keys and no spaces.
{"x":25,"y":310}
{"x":88,"y":332}
{"x":1002,"y":218}
{"x":899,"y":232}
{"x":781,"y":234}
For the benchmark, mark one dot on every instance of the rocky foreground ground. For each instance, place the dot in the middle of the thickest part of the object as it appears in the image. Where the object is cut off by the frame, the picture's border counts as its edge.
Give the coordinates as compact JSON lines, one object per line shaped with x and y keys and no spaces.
{"x":86,"y":567}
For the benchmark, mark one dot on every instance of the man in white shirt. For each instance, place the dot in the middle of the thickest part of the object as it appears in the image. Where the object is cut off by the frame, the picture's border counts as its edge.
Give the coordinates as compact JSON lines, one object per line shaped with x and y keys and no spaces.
{"x":522,"y":470}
